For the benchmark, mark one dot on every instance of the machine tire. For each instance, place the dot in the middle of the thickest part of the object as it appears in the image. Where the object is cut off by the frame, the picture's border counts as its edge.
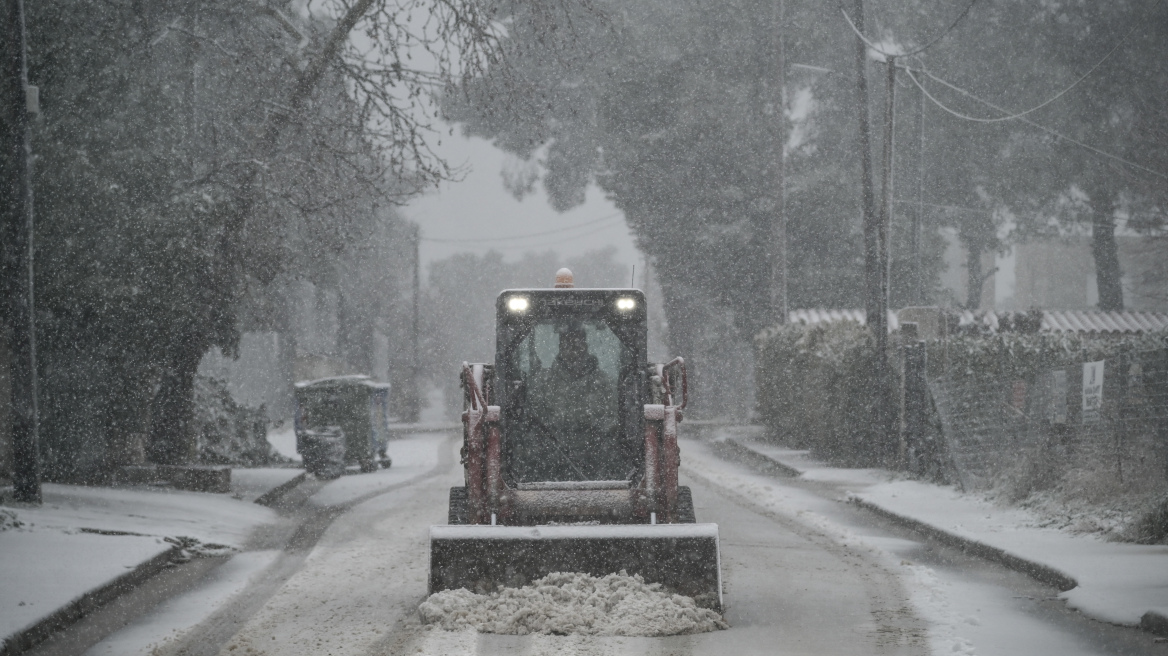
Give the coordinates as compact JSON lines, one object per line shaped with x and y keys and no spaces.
{"x":685,"y":507}
{"x":459,"y":512}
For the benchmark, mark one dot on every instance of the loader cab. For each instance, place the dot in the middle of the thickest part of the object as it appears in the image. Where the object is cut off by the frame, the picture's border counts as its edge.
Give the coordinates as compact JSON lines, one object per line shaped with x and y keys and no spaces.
{"x":570,"y":378}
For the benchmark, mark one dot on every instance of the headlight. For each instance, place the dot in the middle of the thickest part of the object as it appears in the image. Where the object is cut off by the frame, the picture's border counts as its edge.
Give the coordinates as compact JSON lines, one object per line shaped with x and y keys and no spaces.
{"x":625,"y":303}
{"x":517,"y":304}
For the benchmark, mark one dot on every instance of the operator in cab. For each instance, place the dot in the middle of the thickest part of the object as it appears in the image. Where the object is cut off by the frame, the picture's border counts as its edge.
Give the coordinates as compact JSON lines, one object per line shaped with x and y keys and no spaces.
{"x":573,"y":401}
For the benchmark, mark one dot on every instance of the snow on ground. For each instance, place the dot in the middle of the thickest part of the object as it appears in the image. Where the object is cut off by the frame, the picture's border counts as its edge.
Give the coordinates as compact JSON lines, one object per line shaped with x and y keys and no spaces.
{"x":366,"y":572}
{"x":565,"y":603}
{"x":413,"y":455}
{"x":815,"y":470}
{"x":82,"y":538}
{"x":1117,"y":582}
{"x":251,"y":484}
{"x":43,"y":570}
{"x":814,"y":511}
{"x":283,"y":440}
{"x":966,"y":615}
{"x":175,"y":616}
{"x":153,"y":511}
{"x":434,"y":408}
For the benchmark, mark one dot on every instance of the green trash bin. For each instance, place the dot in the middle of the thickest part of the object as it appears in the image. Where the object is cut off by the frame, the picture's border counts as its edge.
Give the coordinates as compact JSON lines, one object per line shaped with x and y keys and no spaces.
{"x":348,"y":410}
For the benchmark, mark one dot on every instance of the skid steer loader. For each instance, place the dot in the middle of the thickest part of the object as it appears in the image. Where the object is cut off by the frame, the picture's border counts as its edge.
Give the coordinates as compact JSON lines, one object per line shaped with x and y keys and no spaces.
{"x":570,"y":453}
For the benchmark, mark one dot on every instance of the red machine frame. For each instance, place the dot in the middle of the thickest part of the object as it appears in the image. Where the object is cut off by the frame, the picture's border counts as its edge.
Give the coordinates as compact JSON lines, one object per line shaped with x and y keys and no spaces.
{"x":490,"y":501}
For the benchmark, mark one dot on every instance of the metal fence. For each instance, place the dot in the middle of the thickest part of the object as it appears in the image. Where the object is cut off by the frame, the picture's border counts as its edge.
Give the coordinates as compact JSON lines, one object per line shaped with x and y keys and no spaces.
{"x":1101,"y":426}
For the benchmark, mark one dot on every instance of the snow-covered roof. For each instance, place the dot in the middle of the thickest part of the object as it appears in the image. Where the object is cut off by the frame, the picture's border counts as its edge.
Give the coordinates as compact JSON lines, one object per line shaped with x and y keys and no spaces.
{"x":352,"y":379}
{"x":1053,"y":321}
{"x":821,"y":315}
{"x":1078,"y":321}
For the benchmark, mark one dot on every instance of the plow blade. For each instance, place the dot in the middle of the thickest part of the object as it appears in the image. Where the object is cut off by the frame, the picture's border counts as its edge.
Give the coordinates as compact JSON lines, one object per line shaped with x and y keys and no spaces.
{"x":682,"y":557}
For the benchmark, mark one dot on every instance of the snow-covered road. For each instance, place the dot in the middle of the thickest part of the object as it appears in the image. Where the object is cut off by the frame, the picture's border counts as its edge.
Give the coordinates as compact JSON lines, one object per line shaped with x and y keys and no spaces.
{"x":804,"y":574}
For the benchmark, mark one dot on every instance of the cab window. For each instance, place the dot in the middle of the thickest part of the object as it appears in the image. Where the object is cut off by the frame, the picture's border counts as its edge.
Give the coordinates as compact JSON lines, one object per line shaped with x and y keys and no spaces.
{"x":566,"y":408}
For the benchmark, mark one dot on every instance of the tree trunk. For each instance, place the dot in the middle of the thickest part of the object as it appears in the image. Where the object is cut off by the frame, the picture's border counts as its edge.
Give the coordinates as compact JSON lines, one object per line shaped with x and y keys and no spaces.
{"x":974,"y":279}
{"x":172,"y":437}
{"x":287,"y":347}
{"x":126,"y":417}
{"x":17,"y":263}
{"x":1108,"y":276}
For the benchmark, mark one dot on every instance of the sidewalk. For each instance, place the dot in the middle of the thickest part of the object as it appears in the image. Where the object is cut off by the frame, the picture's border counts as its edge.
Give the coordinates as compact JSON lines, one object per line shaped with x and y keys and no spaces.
{"x":1114,"y":582}
{"x":85,"y":545}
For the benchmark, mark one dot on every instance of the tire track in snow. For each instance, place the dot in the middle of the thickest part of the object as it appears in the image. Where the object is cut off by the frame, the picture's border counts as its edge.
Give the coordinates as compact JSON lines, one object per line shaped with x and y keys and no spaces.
{"x":880,"y":619}
{"x":212,"y":634}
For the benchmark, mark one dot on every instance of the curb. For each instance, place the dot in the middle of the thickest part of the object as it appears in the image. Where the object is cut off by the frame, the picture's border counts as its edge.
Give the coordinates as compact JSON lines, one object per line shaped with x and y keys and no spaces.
{"x":1037,"y":571}
{"x":743,"y":452}
{"x":31,"y":636}
{"x":274,"y":495}
{"x":1152,"y":621}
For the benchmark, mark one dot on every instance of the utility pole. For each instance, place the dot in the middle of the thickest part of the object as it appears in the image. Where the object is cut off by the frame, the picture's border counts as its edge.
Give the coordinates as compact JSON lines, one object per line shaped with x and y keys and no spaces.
{"x":886,"y":414}
{"x":872,"y":260}
{"x":886,"y":203}
{"x":18,"y":265}
{"x":918,"y":281}
{"x":413,"y":396}
{"x":779,"y":227}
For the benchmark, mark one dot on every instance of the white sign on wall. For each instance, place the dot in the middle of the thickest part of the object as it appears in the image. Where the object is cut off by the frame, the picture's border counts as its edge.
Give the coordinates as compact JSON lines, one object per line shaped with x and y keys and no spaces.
{"x":1092,"y":390}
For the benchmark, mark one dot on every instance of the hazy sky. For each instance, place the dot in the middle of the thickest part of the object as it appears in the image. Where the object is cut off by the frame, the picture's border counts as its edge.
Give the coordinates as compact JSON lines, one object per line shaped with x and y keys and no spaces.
{"x":480,"y":208}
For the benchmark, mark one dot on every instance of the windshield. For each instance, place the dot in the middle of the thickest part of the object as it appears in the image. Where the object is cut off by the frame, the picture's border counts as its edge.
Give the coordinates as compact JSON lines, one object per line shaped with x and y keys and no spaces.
{"x":566,"y":407}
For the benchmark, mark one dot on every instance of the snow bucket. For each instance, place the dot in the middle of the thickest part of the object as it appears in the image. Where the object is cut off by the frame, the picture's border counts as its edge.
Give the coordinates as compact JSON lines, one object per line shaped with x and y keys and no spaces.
{"x":682,"y":557}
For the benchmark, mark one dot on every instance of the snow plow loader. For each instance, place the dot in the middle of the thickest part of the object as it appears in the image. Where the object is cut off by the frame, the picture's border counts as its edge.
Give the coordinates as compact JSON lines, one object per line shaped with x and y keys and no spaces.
{"x":570,"y":454}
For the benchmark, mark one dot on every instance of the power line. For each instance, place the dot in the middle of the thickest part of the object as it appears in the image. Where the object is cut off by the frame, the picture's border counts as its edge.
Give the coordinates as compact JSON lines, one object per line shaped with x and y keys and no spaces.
{"x":1045,"y":129}
{"x":943,"y":207}
{"x":1037,"y":107}
{"x":553,"y":242}
{"x":1010,"y":116}
{"x":943,"y":34}
{"x":918,"y":51}
{"x":525,"y":236}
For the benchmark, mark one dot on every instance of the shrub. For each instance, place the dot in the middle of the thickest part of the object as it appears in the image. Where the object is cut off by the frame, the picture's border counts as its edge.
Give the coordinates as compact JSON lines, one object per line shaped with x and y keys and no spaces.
{"x":818,"y":387}
{"x":1018,"y":356}
{"x":229,"y":433}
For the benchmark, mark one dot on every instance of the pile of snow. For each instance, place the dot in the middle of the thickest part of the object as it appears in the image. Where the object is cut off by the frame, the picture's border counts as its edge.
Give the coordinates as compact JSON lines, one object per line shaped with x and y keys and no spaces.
{"x":563,"y":603}
{"x":8,"y":520}
{"x":192,"y":548}
{"x":229,"y":433}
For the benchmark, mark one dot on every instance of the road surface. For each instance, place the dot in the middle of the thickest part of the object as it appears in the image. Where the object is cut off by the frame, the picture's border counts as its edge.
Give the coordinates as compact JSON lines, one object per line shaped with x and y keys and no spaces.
{"x":804,"y":574}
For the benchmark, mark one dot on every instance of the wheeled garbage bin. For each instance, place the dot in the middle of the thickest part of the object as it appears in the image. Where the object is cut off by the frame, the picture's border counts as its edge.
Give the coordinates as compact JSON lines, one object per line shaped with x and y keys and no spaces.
{"x":345,"y":419}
